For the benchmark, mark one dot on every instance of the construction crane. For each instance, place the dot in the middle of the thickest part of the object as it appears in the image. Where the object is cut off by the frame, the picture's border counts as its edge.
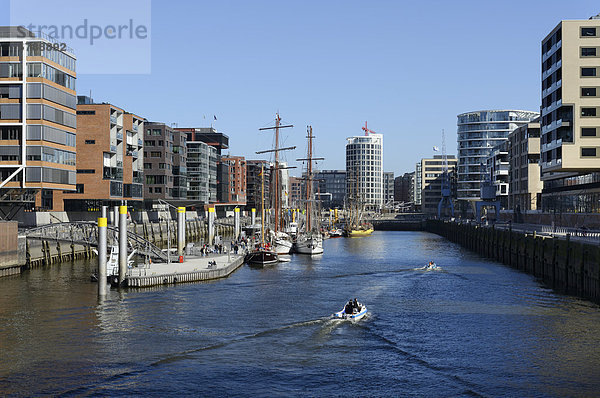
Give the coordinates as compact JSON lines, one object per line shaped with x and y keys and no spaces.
{"x":367,"y":131}
{"x":446,"y":200}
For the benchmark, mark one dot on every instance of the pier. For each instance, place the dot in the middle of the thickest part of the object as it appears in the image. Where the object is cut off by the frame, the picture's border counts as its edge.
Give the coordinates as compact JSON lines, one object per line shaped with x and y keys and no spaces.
{"x":194,"y":269}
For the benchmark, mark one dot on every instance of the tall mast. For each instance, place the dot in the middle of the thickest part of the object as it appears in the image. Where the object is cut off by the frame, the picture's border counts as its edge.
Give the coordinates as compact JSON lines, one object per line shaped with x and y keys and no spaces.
{"x":262,"y":203}
{"x":276,"y":168}
{"x":309,"y":178}
{"x":277,"y":193}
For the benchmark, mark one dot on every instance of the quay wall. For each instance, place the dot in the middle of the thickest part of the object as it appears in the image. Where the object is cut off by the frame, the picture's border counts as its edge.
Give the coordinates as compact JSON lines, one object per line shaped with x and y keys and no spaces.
{"x":565,"y":265}
{"x":398,"y":225}
{"x":9,"y":248}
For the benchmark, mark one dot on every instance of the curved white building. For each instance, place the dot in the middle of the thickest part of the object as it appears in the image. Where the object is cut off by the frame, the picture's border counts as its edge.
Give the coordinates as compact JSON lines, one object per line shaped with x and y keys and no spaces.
{"x":478,"y":133}
{"x":364,"y":169}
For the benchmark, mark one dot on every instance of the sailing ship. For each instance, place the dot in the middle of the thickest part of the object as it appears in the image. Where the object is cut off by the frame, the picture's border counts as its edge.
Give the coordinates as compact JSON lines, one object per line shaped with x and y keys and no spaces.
{"x":281,"y":242}
{"x":262,"y":255}
{"x":310,"y":241}
{"x":355,"y":225}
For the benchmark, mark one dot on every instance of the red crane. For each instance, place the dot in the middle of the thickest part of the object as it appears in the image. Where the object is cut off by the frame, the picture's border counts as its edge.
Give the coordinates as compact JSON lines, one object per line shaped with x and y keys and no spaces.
{"x":367,"y":131}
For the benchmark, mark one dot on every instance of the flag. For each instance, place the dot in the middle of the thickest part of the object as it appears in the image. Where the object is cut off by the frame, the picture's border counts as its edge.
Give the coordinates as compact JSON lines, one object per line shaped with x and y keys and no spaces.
{"x":436,"y":149}
{"x":215,"y":117}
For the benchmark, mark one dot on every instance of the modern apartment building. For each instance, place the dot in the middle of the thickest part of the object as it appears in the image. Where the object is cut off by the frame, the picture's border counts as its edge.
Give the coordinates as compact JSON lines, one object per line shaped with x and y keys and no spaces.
{"x":202,"y":172}
{"x":478,"y":133}
{"x":109,"y":157}
{"x":332,"y":187}
{"x":417,"y":187}
{"x":37,"y":119}
{"x":237,"y":179}
{"x":219,"y":177}
{"x":404,"y":187}
{"x":429,"y":178}
{"x":364,"y":169}
{"x":388,"y":187}
{"x":257,"y":186}
{"x":165,"y":164}
{"x":525,"y":186}
{"x":497,"y":165}
{"x":570,"y":122}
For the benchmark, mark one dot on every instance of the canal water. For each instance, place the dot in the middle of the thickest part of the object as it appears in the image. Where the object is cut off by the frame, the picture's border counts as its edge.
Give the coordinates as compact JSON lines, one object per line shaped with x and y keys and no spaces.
{"x":473,"y":328}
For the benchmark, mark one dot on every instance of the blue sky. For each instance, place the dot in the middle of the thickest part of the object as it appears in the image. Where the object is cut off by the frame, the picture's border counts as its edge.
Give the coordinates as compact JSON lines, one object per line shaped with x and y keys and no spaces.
{"x":407,"y":67}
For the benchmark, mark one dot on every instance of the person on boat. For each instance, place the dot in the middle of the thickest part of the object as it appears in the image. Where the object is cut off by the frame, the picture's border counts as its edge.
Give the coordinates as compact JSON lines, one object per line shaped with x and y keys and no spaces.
{"x":349,"y":307}
{"x":355,"y":303}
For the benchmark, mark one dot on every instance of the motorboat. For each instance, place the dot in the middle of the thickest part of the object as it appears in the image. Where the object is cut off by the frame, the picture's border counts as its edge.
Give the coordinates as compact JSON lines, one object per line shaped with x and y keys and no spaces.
{"x":431,"y":266}
{"x":262,"y":257}
{"x":352,"y":311}
{"x":336,"y":233}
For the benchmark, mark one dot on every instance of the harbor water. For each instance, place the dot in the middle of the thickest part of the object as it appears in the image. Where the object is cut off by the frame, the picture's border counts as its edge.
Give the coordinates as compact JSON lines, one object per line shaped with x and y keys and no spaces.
{"x":473,"y":327}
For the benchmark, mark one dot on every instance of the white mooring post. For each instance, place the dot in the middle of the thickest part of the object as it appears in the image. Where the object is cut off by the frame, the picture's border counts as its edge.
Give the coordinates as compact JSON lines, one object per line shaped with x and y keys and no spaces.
{"x":211,"y":225}
{"x":116,"y":216}
{"x":122,"y":243}
{"x":236,"y":220}
{"x":180,"y":232}
{"x":102,"y":224}
{"x":253,"y":216}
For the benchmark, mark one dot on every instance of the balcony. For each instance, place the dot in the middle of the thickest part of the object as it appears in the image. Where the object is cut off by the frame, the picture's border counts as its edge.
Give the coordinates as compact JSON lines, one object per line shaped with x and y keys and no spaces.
{"x":140,"y":142}
{"x":113,"y":149}
{"x":134,"y":127}
{"x":113,"y":119}
{"x":119,"y":136}
{"x":119,"y":163}
{"x":134,"y":154}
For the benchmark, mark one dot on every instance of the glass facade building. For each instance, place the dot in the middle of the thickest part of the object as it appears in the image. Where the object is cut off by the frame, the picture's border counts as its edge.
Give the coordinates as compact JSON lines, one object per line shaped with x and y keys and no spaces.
{"x":478,"y":133}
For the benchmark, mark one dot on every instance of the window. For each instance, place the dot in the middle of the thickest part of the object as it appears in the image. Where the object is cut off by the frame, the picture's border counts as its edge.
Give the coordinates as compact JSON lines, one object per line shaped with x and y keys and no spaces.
{"x":149,"y":189}
{"x":86,"y":112}
{"x":157,"y":190}
{"x":156,"y":132}
{"x":149,"y":143}
{"x":588,"y":131}
{"x":588,"y":51}
{"x":86,"y":171}
{"x":588,"y":91}
{"x":588,"y":32}
{"x":587,"y":72}
{"x":155,"y":154}
{"x":79,"y":188}
{"x":90,"y":141}
{"x":147,"y":166}
{"x":588,"y":112}
{"x":588,"y":152}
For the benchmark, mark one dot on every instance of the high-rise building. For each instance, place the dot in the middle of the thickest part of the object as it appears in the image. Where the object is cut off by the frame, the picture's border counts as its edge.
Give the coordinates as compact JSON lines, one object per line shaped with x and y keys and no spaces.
{"x":570,"y":122}
{"x":429,"y":178}
{"x":525,"y":186}
{"x":109,"y":157}
{"x":478,"y":133}
{"x":332,"y":187}
{"x":417,"y":187}
{"x":165,"y":163}
{"x":237,"y":179}
{"x":364,"y":169}
{"x":388,"y":187}
{"x":37,"y":120}
{"x":404,"y":187}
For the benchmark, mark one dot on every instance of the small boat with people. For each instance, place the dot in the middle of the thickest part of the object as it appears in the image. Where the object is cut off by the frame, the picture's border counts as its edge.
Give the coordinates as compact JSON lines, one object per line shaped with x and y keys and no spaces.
{"x":352,"y":311}
{"x":431,"y":266}
{"x":262,"y":256}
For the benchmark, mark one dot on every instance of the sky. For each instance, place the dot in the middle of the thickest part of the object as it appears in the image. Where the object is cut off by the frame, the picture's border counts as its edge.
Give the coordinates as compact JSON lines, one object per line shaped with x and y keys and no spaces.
{"x":407,"y":67}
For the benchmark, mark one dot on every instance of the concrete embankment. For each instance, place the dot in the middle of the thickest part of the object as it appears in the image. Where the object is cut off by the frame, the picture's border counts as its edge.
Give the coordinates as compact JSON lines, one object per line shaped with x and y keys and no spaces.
{"x":565,"y":265}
